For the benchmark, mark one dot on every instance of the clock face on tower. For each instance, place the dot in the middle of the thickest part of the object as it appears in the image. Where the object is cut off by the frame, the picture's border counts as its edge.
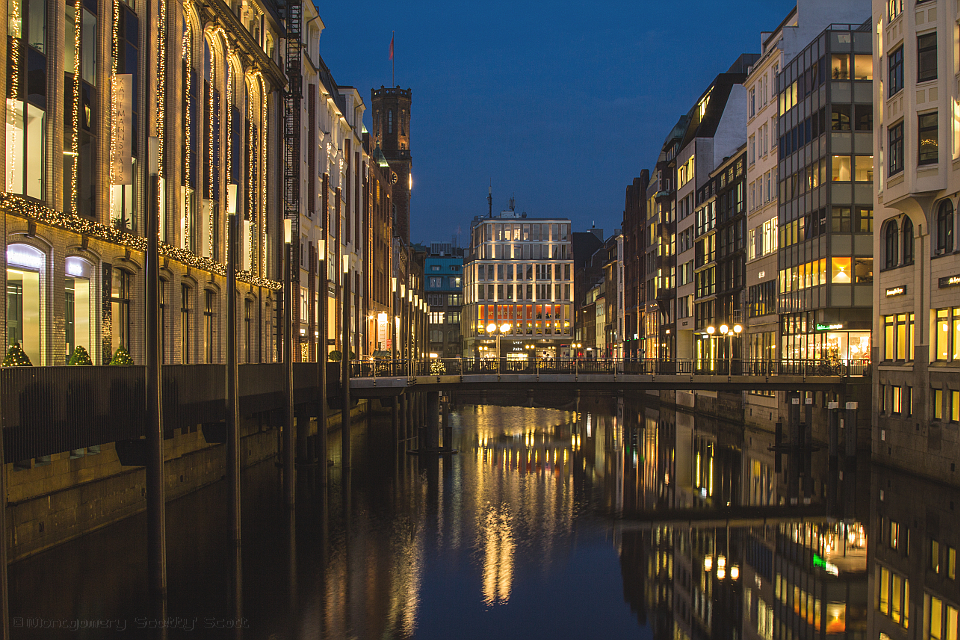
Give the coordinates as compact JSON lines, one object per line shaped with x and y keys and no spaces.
{"x":394,"y":178}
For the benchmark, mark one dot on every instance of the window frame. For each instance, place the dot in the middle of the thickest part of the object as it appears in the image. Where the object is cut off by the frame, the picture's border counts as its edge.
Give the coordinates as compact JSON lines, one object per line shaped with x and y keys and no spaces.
{"x":924,"y":50}
{"x":895,"y":147}
{"x":895,"y":71}
{"x":929,"y":117}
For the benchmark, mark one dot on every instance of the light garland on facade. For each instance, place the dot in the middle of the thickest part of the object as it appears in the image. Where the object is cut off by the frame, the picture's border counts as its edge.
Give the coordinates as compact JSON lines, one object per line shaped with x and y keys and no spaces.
{"x":263,"y":173}
{"x":14,"y":89}
{"x":75,"y":142}
{"x":18,"y":205}
{"x":210,"y":128}
{"x":187,"y":44}
{"x":161,"y":92}
{"x":114,"y":110}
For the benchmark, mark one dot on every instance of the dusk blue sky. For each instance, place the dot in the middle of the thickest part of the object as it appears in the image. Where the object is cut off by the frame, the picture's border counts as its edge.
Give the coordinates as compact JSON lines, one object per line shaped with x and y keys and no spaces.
{"x":560,"y":104}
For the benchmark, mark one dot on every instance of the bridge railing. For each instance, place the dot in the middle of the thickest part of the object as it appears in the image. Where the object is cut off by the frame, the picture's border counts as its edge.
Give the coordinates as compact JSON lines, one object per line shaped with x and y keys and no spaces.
{"x":611,"y":366}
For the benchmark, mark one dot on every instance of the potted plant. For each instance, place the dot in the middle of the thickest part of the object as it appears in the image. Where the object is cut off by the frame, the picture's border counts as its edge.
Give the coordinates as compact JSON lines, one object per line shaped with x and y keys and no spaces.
{"x":16,"y":357}
{"x":79,"y":357}
{"x":121,"y":357}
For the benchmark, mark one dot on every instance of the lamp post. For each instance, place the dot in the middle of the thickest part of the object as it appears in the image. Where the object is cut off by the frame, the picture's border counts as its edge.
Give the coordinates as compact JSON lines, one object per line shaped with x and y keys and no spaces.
{"x":156,"y":501}
{"x":729,"y":333}
{"x":493,"y":329}
{"x":289,"y":282}
{"x":233,"y":369}
{"x":345,"y":367}
{"x":322,"y":357}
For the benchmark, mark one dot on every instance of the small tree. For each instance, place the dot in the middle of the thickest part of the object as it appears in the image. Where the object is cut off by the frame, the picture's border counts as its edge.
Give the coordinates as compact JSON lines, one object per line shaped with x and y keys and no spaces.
{"x":16,"y":357}
{"x":80,"y":357}
{"x":121,"y":357}
{"x":335,"y":356}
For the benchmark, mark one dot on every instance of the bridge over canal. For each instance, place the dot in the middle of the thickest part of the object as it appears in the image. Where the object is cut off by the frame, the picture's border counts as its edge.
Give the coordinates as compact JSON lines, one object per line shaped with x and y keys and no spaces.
{"x":416,"y":386}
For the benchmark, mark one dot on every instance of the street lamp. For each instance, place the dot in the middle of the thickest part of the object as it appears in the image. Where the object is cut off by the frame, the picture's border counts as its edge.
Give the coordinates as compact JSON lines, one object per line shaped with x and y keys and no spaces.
{"x":493,"y":329}
{"x":729,"y":333}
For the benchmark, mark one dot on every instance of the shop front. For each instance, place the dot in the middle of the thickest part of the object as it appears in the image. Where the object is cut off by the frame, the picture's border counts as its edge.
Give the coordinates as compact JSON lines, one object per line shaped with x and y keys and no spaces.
{"x":809,"y":340}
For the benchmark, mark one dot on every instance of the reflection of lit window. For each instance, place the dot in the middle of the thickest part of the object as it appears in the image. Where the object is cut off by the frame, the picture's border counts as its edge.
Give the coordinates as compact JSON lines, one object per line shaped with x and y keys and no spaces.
{"x":836,"y":617}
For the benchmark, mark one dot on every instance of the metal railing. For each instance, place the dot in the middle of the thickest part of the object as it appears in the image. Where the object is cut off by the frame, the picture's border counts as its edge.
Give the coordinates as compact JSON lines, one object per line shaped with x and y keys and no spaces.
{"x":610,"y":366}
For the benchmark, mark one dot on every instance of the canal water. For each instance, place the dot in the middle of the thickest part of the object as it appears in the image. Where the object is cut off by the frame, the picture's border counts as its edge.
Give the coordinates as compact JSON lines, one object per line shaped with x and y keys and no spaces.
{"x":600,"y":519}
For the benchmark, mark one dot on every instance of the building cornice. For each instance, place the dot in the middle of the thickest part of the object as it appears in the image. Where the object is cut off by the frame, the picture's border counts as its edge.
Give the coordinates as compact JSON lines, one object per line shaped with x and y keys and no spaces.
{"x":247,"y":47}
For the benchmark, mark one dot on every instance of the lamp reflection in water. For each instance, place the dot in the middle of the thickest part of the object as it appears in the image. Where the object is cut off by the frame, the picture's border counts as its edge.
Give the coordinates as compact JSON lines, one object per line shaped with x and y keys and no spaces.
{"x":499,"y":547}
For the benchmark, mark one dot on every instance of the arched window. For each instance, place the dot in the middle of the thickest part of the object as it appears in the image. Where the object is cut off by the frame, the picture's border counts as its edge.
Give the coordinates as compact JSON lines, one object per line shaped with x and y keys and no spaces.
{"x":945,"y":228}
{"x":191,"y":135}
{"x":78,"y":306}
{"x":25,"y":270}
{"x":906,"y":235}
{"x":890,"y":245}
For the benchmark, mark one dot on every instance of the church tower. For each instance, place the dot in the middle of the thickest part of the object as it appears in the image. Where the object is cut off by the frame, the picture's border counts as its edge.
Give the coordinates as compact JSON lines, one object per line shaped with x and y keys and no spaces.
{"x":391,"y":130}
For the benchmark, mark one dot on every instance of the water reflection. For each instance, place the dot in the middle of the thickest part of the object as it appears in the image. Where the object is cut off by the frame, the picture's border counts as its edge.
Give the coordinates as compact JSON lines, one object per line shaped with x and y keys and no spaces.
{"x":605,"y":517}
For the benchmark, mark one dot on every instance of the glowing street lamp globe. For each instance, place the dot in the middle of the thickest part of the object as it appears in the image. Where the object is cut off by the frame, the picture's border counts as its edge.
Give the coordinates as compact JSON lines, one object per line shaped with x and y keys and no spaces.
{"x":491,"y":328}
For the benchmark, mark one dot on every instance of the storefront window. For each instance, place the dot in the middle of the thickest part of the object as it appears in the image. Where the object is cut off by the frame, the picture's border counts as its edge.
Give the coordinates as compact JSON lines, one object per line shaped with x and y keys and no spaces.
{"x":942,"y":346}
{"x":24,"y":265}
{"x":120,"y":292}
{"x":77,"y":306}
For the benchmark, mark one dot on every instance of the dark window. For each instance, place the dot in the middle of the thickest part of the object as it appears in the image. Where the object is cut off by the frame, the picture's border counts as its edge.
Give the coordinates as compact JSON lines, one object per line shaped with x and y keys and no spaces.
{"x":890,"y":245}
{"x":841,"y":220}
{"x":945,"y":227}
{"x":906,"y":233}
{"x":162,"y":290}
{"x":864,"y":117}
{"x":209,"y":304}
{"x":927,"y":57}
{"x":185,"y":308}
{"x":840,"y":120}
{"x":896,"y":148}
{"x":928,"y":139}
{"x":896,"y":70}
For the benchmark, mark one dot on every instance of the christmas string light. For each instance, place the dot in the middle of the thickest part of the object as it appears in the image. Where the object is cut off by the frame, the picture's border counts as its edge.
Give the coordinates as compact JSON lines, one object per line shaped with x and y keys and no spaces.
{"x":187,"y":44}
{"x":14,"y":90}
{"x":18,"y":205}
{"x":263,"y":177}
{"x":161,"y":88}
{"x":75,"y":142}
{"x":114,"y":106}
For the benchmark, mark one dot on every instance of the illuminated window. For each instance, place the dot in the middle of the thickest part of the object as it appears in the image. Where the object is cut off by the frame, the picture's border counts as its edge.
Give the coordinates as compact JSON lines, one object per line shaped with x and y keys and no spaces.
{"x":840,"y":169}
{"x":840,"y":273}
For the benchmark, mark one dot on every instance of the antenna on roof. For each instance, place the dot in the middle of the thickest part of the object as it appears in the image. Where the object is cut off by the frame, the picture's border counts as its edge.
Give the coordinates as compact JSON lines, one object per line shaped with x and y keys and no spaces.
{"x":490,"y":198}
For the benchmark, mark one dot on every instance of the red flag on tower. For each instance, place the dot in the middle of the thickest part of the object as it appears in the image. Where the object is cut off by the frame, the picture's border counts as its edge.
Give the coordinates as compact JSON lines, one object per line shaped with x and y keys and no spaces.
{"x":391,"y":47}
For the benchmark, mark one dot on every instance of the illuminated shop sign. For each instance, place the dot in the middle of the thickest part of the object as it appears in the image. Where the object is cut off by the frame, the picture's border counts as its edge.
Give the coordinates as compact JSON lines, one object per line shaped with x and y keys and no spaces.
{"x":896,"y":291}
{"x":829,"y":327}
{"x":950,"y":281}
